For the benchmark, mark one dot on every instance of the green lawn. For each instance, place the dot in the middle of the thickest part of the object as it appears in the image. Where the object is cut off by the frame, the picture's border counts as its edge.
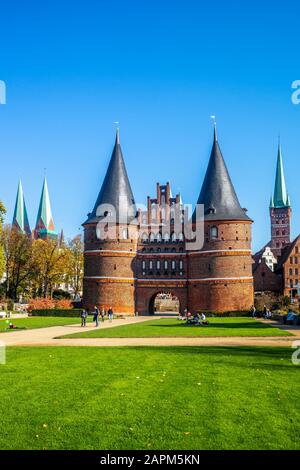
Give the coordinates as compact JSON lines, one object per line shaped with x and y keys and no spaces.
{"x":37,"y":322}
{"x":149,"y":398}
{"x":240,"y":326}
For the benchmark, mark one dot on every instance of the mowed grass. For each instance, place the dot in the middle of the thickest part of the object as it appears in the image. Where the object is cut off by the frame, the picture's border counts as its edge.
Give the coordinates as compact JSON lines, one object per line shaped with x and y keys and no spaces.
{"x":29,"y":323}
{"x":167,"y":327}
{"x":149,"y":398}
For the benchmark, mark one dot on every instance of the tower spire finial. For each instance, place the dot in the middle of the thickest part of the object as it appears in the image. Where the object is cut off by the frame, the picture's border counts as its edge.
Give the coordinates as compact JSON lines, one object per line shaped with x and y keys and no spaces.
{"x":117,"y":132}
{"x":215,"y":127}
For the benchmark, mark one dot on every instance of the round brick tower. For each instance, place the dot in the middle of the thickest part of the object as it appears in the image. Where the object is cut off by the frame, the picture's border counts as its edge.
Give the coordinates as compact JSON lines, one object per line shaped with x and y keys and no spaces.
{"x":110,"y":242}
{"x":220,"y":273}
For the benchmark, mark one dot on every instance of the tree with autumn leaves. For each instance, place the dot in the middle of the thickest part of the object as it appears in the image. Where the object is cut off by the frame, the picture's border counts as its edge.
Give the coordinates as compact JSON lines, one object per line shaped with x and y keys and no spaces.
{"x":35,"y":268}
{"x":2,"y":257}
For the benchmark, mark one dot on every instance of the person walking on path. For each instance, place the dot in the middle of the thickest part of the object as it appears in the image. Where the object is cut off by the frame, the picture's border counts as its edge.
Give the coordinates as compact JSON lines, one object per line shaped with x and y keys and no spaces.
{"x":110,"y":314}
{"x":83,"y":317}
{"x":96,"y":316}
{"x":102,"y":313}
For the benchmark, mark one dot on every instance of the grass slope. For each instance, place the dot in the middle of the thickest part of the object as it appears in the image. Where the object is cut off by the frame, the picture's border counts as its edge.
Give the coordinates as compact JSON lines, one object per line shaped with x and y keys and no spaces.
{"x":149,"y":398}
{"x":172,"y":327}
{"x":37,"y":322}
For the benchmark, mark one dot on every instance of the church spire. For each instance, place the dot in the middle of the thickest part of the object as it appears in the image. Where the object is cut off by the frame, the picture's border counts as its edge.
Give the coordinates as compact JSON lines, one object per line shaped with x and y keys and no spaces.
{"x":116,"y":192}
{"x":20,"y":218}
{"x":217,"y":193}
{"x":281,"y":197}
{"x":44,"y":223}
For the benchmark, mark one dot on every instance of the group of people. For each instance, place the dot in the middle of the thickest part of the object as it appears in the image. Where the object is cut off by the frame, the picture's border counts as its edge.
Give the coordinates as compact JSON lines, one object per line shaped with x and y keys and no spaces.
{"x":97,"y":314}
{"x":266,"y":313}
{"x":197,"y":319}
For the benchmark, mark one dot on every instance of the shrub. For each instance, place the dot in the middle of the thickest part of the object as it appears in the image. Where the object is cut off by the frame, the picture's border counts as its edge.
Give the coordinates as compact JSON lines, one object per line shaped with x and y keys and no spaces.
{"x":48,"y":304}
{"x":63,"y":304}
{"x":225,"y":314}
{"x":40,"y":304}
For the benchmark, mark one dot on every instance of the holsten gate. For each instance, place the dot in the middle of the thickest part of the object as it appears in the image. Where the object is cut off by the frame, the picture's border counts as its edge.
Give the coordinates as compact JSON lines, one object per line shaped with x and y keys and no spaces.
{"x":132,"y":255}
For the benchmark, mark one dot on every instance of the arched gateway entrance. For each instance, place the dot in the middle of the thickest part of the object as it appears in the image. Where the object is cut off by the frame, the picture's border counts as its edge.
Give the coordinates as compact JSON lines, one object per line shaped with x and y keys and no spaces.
{"x":164,"y":302}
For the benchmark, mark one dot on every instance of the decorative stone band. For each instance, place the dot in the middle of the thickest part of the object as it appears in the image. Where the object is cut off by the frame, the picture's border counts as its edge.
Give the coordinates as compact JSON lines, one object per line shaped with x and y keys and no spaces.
{"x":237,"y":252}
{"x":210,"y":280}
{"x":104,"y":279}
{"x":112,"y":253}
{"x":132,"y":254}
{"x":221,"y":280}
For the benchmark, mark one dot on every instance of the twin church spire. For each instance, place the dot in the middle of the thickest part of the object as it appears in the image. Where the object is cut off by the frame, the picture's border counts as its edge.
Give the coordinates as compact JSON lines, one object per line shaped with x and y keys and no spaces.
{"x":44,"y":227}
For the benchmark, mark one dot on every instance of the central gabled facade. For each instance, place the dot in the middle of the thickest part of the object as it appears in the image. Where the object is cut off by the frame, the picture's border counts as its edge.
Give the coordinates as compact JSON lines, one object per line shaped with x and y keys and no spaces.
{"x":147,"y":253}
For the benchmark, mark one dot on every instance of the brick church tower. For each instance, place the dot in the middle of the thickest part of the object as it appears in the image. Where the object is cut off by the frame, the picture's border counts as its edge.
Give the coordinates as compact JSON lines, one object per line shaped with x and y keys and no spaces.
{"x":220,"y":274}
{"x":280,"y":211}
{"x":110,"y":240}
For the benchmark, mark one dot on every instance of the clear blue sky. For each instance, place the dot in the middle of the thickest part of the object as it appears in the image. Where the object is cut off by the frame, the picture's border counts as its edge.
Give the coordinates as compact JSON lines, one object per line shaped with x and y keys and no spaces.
{"x":161,"y":68}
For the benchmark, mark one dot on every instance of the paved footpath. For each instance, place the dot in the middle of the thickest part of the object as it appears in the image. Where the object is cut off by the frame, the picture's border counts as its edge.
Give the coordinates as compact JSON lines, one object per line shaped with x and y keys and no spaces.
{"x":49,"y":337}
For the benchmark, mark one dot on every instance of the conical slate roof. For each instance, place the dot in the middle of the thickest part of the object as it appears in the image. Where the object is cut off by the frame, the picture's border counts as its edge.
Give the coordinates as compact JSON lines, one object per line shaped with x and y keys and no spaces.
{"x":20,"y":219}
{"x":281,"y":197}
{"x":44,"y":220}
{"x":217,"y":193}
{"x":115,"y":191}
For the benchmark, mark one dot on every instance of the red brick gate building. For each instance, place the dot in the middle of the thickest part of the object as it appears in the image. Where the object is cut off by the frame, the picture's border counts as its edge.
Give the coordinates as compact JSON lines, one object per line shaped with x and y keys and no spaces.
{"x":131,"y":255}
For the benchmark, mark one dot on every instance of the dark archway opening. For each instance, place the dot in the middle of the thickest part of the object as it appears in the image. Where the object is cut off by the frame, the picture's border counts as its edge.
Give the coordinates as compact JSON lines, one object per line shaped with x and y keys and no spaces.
{"x":164,"y":303}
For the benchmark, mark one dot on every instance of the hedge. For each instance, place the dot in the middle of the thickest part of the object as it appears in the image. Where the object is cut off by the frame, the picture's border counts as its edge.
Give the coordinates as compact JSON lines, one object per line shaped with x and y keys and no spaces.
{"x":226,"y":314}
{"x":56,"y":313}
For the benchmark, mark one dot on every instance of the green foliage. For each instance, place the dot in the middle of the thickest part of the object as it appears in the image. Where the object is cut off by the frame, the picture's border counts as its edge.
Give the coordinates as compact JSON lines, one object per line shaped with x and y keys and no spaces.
{"x":286,"y":301}
{"x":10,"y":305}
{"x":150,"y":398}
{"x":59,"y":294}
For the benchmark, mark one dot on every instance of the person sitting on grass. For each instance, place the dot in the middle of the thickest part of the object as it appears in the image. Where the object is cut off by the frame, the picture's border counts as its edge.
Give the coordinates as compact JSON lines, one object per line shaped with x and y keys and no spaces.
{"x":203,"y":319}
{"x":196,"y":320}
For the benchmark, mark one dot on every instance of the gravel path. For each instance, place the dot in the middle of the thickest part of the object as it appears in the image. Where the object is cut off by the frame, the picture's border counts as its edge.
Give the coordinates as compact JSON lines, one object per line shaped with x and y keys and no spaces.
{"x":48,"y":337}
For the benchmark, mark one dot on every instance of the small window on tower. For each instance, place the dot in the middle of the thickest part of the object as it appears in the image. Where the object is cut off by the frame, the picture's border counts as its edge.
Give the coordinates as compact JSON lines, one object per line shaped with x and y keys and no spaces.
{"x":214,"y":232}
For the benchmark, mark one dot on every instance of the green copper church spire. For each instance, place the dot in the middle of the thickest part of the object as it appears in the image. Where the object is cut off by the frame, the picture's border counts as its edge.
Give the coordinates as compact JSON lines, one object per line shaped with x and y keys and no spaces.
{"x":281,"y":197}
{"x":44,"y":223}
{"x":20,"y":219}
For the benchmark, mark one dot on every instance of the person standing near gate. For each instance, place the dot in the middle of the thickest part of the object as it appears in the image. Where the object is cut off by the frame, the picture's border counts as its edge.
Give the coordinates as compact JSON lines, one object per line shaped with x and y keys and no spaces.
{"x":83,"y":317}
{"x":110,"y":313}
{"x":96,"y":316}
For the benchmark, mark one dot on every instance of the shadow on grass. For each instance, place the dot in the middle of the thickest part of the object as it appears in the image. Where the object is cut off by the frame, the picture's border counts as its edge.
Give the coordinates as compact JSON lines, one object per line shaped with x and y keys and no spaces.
{"x":214,"y":325}
{"x":224,"y":351}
